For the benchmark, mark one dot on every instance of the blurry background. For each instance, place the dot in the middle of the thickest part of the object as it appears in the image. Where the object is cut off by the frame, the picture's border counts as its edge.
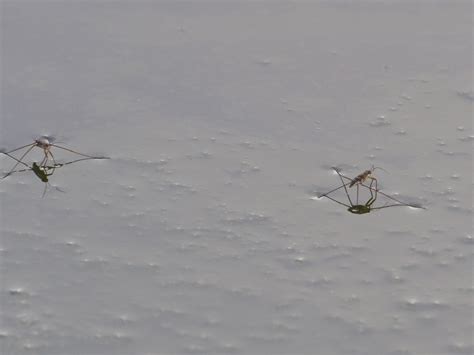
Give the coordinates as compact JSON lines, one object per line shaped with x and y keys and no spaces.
{"x":222,"y":121}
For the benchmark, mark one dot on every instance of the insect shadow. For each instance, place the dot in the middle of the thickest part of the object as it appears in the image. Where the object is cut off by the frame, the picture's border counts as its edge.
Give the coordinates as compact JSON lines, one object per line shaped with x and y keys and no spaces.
{"x":367,"y":207}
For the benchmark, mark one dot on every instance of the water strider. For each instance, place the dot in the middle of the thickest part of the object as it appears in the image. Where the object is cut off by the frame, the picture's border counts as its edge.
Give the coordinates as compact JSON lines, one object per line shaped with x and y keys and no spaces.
{"x":45,"y":143}
{"x":46,"y":168}
{"x":358,"y":208}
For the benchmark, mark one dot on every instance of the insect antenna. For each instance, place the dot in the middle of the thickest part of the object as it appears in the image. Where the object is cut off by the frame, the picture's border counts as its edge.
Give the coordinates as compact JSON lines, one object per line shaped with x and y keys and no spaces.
{"x":378,"y":167}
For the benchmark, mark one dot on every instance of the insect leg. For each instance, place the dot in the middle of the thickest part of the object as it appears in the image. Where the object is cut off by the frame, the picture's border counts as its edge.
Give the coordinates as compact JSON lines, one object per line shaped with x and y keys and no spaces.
{"x":14,"y":158}
{"x":24,"y":146}
{"x":345,"y":188}
{"x":44,"y":161}
{"x":73,"y":151}
{"x":374,"y":179}
{"x":339,"y":202}
{"x":326,"y":193}
{"x":394,"y":199}
{"x":19,"y":161}
{"x":53,"y":169}
{"x":52,"y":157}
{"x":372,"y":198}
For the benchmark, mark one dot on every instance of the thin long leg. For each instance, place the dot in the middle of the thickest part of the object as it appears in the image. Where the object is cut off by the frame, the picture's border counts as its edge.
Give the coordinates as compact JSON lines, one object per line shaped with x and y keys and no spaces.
{"x":376,"y":189}
{"x":371,"y":193}
{"x":20,"y":171}
{"x":394,"y":199}
{"x":339,"y":202}
{"x":327,"y":193}
{"x":73,"y":151}
{"x":47,"y":154}
{"x":398,"y":205}
{"x":58,"y":165}
{"x":14,"y":158}
{"x":372,"y":198}
{"x":374,"y":179}
{"x":45,"y":160}
{"x":26,"y":145}
{"x":388,"y":196}
{"x":52,"y":157}
{"x":18,"y":161}
{"x":357,"y":188}
{"x":345,"y":188}
{"x":402,"y":204}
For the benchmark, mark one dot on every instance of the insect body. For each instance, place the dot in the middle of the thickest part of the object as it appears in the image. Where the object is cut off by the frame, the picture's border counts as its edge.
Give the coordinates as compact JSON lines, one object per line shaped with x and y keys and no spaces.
{"x":44,"y":142}
{"x":362,"y":177}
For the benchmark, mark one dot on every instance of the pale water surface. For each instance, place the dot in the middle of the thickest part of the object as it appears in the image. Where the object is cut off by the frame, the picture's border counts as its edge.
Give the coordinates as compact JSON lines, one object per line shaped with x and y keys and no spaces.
{"x":201,"y":234}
